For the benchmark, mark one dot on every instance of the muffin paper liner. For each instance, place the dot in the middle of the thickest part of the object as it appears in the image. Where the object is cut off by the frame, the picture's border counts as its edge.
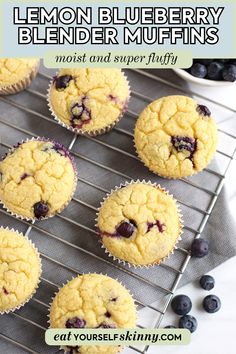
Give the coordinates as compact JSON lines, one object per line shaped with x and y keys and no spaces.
{"x":40,"y":271}
{"x":22,"y":84}
{"x":79,"y":131}
{"x":59,"y":288}
{"x":143,"y":266}
{"x":22,"y":217}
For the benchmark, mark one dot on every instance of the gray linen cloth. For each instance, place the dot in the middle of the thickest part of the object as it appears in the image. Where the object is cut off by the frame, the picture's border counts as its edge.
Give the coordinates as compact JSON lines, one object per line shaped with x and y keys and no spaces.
{"x":70,"y":260}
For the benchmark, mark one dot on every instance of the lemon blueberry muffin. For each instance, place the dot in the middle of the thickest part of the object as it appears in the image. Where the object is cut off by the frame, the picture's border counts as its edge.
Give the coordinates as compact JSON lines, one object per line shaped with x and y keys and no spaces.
{"x":37,"y":179}
{"x":16,"y":74}
{"x":20,"y":269}
{"x":175,"y":137}
{"x":139,"y":224}
{"x":89,"y":101}
{"x":93,"y":301}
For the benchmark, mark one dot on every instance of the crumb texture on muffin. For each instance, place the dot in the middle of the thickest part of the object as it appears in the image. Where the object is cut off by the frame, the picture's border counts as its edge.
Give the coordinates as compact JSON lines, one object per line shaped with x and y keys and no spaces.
{"x":149,"y":215}
{"x":175,"y":137}
{"x":13,"y":70}
{"x":36,"y":175}
{"x":93,"y":301}
{"x":89,"y":99}
{"x":19,"y":269}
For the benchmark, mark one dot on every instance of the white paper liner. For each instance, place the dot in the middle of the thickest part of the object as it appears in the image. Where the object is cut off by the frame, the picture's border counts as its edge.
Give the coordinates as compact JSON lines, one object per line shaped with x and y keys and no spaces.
{"x":22,"y":217}
{"x":22,"y":84}
{"x":79,"y":131}
{"x":180,"y":216}
{"x":40,"y":271}
{"x":59,"y":288}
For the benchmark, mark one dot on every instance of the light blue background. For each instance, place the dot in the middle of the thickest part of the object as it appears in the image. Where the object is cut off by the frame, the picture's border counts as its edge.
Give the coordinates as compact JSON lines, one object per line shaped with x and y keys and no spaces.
{"x":224,"y":48}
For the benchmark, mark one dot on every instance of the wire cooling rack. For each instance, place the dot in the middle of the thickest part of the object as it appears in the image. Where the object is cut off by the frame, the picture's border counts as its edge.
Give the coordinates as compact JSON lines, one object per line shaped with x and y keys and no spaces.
{"x":67,"y":243}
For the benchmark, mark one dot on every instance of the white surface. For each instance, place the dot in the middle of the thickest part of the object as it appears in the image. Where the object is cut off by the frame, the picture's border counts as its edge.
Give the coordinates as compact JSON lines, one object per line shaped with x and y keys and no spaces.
{"x":215,"y":332}
{"x":186,"y":76}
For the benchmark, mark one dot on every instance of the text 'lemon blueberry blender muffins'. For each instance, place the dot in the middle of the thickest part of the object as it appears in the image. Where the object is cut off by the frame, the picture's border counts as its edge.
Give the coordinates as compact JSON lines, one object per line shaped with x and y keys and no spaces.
{"x":93,"y":301}
{"x":88,"y":101}
{"x":16,"y":74}
{"x":38,"y":179}
{"x":20,"y":270}
{"x":175,"y":137}
{"x":139,"y":224}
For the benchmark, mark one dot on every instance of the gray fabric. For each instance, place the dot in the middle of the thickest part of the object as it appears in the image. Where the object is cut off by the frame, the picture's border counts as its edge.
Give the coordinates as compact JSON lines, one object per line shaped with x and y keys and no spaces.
{"x":220,"y":229}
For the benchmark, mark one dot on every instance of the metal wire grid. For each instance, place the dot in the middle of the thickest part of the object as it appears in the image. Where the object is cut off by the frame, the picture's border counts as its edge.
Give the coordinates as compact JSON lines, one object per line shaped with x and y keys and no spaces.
{"x":168,"y":292}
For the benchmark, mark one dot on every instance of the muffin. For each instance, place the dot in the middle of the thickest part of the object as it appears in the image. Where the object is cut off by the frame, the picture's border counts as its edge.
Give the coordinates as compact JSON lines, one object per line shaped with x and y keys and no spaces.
{"x":139,"y":224}
{"x":88,"y":101}
{"x":20,"y":269}
{"x":38,"y":179}
{"x":175,"y":137}
{"x":93,"y":301}
{"x":16,"y":74}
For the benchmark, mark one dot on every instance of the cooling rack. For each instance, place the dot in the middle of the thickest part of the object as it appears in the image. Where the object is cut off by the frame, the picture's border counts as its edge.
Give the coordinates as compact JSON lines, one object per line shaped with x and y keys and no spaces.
{"x":68,"y":242}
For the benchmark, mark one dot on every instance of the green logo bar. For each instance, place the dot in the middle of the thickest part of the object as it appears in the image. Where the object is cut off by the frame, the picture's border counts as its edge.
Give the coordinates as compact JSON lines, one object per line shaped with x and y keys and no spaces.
{"x":122,"y":59}
{"x":73,"y":337}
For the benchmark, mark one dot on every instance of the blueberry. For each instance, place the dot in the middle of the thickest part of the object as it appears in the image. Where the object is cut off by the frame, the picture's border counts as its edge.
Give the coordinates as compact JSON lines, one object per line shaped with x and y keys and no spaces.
{"x":207,"y":282}
{"x":199,"y":248}
{"x":160,"y":226}
{"x":126,"y":229}
{"x":188,"y":322}
{"x":169,"y":326}
{"x":203,"y":61}
{"x":24,"y":176}
{"x":223,"y":60}
{"x":211,"y":303}
{"x":40,"y":209}
{"x":229,"y":73}
{"x":80,"y":113}
{"x":203,"y":110}
{"x":181,"y":304}
{"x":215,"y":70}
{"x":198,"y":70}
{"x":107,"y":314}
{"x":184,"y":143}
{"x":75,"y":322}
{"x":61,"y":82}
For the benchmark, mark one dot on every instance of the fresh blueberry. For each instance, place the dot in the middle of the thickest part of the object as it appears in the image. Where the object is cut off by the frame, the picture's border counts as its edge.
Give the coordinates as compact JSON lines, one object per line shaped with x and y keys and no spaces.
{"x":61,"y":82}
{"x":203,"y":110}
{"x":181,"y":304}
{"x":40,"y":209}
{"x":75,"y":322}
{"x":207,"y":282}
{"x":211,"y":303}
{"x":223,"y":60}
{"x":169,"y":326}
{"x":215,"y":70}
{"x":199,"y":248}
{"x":198,"y":70}
{"x":126,"y":229}
{"x":229,"y":73}
{"x":184,"y":143}
{"x":203,"y":61}
{"x":188,"y":322}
